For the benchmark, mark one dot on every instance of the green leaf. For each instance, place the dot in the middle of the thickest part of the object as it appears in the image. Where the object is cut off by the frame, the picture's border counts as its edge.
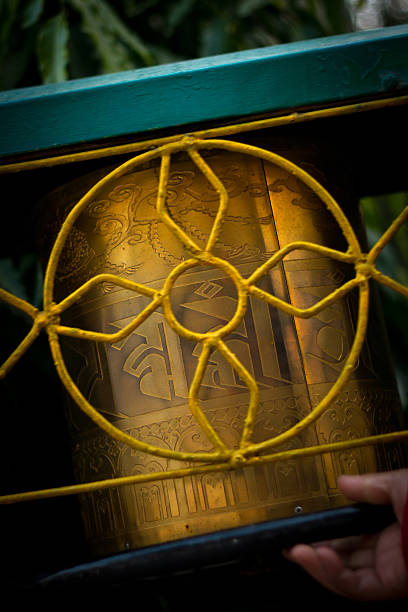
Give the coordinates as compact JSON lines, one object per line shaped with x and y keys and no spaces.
{"x":113,"y":54}
{"x":117,"y":26}
{"x":14,"y":65}
{"x":114,"y":42}
{"x":214,"y":38}
{"x":246,"y":7}
{"x":178,"y":13}
{"x":8,"y":14}
{"x":52,"y":51}
{"x":338,"y":16}
{"x":164,"y":55}
{"x":379,"y":212}
{"x":132,"y":8}
{"x":83,"y":61}
{"x":32,"y":13}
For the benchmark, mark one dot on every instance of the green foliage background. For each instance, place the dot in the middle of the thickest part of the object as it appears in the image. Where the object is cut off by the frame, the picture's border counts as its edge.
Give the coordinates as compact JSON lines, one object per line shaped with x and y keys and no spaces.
{"x":46,"y":41}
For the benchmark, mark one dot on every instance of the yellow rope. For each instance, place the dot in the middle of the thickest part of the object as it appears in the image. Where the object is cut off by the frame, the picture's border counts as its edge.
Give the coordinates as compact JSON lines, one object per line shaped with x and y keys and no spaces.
{"x":223,"y":458}
{"x":111,"y":483}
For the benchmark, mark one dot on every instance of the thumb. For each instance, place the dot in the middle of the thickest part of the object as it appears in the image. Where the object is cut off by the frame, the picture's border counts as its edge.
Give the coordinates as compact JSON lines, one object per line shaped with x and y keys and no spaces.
{"x":380,"y":488}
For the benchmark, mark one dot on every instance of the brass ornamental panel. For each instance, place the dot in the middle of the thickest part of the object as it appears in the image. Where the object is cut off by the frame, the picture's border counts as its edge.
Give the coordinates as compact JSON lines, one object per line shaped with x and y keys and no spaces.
{"x":141,"y":383}
{"x":212,"y":303}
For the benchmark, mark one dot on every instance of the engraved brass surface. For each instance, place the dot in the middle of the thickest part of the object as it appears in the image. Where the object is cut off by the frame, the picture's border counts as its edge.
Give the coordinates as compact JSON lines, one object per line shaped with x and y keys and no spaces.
{"x":141,"y":382}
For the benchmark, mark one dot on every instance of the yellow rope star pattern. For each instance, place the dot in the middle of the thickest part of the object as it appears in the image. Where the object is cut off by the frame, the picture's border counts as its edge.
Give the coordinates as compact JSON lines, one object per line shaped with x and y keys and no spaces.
{"x":222,"y":458}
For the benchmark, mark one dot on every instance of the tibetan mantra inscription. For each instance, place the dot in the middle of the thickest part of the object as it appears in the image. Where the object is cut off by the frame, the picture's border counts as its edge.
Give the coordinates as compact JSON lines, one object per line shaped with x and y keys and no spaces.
{"x":141,"y":383}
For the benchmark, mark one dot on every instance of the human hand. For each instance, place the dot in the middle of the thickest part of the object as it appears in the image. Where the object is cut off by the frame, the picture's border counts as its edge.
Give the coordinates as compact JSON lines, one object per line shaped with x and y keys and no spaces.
{"x":369,"y":567}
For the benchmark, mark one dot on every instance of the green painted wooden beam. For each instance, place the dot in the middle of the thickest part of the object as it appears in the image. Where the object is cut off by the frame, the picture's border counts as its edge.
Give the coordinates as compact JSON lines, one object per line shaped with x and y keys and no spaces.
{"x":313,"y":72}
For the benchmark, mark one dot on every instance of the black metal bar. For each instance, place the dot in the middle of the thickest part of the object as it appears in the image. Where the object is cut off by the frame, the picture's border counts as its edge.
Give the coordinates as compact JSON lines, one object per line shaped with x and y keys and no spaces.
{"x":226,"y":547}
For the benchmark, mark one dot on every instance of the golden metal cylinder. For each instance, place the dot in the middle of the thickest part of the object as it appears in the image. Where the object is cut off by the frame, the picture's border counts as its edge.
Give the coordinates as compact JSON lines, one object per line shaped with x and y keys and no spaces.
{"x":141,"y":383}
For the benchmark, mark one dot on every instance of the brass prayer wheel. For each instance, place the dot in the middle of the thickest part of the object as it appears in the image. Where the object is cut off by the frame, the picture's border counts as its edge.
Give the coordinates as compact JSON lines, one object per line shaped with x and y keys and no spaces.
{"x":141,"y":383}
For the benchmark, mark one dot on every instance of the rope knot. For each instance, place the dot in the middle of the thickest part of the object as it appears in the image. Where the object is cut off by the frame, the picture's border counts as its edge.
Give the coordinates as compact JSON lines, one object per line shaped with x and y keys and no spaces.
{"x":365,"y":269}
{"x":50,"y":315}
{"x":237,"y":459}
{"x":188,"y":140}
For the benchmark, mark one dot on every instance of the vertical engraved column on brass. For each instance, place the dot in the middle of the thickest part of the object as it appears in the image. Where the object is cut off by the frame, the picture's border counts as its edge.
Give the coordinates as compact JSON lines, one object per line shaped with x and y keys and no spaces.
{"x":141,"y":383}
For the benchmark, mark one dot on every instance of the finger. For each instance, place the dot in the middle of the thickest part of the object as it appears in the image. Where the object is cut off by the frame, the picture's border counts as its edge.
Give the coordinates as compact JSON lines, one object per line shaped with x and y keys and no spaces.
{"x":354,"y":553}
{"x":379,"y":488}
{"x":358,"y":559}
{"x":310,"y":559}
{"x":349,"y":544}
{"x":342,"y":544}
{"x":362,"y":584}
{"x":326,"y":567}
